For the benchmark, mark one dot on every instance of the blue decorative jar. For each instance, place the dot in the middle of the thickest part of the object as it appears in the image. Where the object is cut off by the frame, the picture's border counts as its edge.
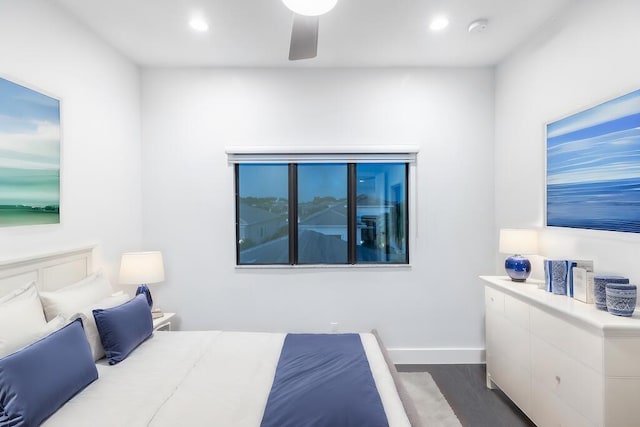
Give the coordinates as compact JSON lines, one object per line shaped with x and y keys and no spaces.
{"x":518,"y":268}
{"x":621,"y":299}
{"x":599,"y":289}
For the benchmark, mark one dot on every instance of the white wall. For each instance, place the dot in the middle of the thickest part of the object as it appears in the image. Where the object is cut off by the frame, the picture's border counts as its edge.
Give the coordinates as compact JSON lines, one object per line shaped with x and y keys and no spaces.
{"x":583,"y":59}
{"x":43,"y":47}
{"x":433,"y":309}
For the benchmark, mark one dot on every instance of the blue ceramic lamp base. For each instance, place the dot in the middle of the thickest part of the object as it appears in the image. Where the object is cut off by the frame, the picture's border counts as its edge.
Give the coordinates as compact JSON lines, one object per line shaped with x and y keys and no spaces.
{"x":518,"y":268}
{"x":144,"y":289}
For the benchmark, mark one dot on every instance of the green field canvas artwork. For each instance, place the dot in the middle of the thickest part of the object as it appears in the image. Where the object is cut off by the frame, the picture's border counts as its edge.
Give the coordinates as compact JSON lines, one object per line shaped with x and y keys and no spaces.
{"x":29,"y":156}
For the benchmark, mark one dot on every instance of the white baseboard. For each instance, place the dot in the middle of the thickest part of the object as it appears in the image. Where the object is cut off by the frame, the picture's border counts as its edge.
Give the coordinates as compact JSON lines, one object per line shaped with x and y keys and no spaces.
{"x":431,"y":356}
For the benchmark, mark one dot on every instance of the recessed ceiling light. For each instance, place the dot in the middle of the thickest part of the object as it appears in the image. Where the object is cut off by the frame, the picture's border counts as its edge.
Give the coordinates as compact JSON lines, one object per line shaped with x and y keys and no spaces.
{"x":439,"y":23}
{"x":199,"y":24}
{"x":310,"y":7}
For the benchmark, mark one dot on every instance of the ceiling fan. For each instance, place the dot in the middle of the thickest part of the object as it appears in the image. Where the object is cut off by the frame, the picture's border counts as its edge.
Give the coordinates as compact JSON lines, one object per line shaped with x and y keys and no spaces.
{"x":304,"y":31}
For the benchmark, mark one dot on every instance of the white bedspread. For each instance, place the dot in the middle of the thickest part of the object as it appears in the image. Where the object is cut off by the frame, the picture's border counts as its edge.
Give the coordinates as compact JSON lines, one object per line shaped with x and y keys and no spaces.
{"x":189,"y":379}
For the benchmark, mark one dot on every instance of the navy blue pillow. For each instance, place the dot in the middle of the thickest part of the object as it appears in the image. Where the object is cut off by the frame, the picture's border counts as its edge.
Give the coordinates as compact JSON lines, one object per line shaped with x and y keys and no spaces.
{"x":40,"y":378}
{"x":124,"y":327}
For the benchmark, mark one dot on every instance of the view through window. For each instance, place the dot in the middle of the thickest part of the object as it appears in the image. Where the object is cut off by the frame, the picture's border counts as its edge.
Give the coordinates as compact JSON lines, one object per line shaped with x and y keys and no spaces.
{"x":325,"y":213}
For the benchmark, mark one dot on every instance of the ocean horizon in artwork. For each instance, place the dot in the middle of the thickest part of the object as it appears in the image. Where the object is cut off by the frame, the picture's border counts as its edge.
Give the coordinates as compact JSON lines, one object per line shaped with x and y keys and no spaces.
{"x":593,"y":167}
{"x":29,"y":156}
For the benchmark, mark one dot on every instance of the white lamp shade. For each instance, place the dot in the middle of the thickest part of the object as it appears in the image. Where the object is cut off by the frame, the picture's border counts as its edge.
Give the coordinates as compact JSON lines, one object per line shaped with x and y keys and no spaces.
{"x":518,"y":241}
{"x":141,"y":268}
{"x":310,"y":7}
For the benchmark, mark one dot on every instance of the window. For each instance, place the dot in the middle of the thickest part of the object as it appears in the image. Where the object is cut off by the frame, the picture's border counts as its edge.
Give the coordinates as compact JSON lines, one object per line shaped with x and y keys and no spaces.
{"x":321,"y":213}
{"x":262,"y":214}
{"x":381,"y":213}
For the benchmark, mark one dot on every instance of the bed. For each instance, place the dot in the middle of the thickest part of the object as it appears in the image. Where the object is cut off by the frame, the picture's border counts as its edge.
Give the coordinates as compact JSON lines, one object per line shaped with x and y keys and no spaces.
{"x":217,"y":378}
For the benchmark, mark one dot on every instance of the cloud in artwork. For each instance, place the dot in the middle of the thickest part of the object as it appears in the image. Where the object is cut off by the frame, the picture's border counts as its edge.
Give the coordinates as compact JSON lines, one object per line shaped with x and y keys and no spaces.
{"x":617,"y":108}
{"x":39,"y":149}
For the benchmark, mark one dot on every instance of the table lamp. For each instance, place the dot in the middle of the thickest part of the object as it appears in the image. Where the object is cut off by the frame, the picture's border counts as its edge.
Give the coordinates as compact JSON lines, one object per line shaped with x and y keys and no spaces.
{"x":142,"y":268}
{"x":518,"y":242}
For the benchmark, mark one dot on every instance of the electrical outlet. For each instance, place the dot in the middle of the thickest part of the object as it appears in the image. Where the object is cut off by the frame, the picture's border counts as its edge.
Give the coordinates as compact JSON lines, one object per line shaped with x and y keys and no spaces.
{"x":334,"y":326}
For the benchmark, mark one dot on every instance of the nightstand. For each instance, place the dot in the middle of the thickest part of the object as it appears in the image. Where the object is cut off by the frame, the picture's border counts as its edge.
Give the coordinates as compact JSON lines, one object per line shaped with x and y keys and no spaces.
{"x":163,"y":323}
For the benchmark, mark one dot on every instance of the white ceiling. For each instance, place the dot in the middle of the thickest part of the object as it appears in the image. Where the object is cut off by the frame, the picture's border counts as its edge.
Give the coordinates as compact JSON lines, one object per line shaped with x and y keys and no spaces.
{"x":367,"y":33}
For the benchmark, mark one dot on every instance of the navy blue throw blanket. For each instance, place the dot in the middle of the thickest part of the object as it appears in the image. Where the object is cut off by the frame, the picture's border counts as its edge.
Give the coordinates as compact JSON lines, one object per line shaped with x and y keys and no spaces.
{"x":323,"y":380}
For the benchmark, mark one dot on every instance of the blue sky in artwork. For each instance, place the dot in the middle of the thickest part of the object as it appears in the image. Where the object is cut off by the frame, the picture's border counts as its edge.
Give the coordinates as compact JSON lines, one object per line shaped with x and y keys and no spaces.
{"x":21,"y":108}
{"x":598,"y":144}
{"x":29,"y":146}
{"x":29,"y":128}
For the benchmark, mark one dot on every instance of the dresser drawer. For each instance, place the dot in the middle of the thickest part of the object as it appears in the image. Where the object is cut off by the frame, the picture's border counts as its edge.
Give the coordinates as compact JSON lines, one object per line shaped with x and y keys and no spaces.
{"x":580,"y":344}
{"x":547,"y":410}
{"x":563,"y":378}
{"x":621,"y":356}
{"x":508,"y":340}
{"x":513,"y":379}
{"x":493,"y":300}
{"x":622,"y":400}
{"x":494,"y":327}
{"x":516,"y":311}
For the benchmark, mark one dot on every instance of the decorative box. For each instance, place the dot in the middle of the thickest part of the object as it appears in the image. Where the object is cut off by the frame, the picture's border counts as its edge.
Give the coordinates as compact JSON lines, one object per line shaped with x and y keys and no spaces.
{"x":583,"y":284}
{"x":556,"y":274}
{"x":574,"y":263}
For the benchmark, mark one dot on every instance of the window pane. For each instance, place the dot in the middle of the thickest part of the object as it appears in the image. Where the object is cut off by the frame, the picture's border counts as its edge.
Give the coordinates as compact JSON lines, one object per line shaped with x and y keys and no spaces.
{"x":263,"y":209}
{"x":381,"y":213}
{"x":322,"y":213}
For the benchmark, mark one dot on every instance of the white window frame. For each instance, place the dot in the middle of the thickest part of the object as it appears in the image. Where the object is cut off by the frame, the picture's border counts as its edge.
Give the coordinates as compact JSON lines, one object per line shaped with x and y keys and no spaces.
{"x":337,"y":154}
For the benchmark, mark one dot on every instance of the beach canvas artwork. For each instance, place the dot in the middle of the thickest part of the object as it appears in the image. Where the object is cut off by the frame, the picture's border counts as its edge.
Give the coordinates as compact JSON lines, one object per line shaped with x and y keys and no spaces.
{"x":29,"y":156}
{"x":593,"y":167}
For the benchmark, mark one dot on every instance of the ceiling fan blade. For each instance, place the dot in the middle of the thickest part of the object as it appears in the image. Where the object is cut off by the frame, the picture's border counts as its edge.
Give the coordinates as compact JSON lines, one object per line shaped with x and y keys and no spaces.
{"x":304,"y":37}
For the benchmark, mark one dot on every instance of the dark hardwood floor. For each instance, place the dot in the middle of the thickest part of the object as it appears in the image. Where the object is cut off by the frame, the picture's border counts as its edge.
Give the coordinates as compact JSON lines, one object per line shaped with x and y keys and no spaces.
{"x":464,"y":387}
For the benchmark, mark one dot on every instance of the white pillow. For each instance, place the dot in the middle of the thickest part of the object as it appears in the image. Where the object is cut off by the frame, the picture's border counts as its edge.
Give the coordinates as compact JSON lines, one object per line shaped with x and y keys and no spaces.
{"x":12,"y":343}
{"x":20,"y":313}
{"x":73,"y":298}
{"x":89,"y":322}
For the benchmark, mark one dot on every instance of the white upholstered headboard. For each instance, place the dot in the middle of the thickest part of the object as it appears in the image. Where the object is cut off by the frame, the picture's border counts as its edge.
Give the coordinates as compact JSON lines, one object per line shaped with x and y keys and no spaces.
{"x":51,"y":271}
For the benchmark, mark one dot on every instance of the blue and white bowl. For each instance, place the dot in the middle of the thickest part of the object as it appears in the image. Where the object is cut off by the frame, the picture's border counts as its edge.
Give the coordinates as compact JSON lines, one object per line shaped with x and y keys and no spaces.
{"x":621,"y":299}
{"x":599,"y":289}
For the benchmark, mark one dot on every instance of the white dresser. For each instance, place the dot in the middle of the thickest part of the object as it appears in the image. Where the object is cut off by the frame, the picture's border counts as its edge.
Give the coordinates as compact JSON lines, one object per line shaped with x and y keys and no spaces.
{"x":563,"y":362}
